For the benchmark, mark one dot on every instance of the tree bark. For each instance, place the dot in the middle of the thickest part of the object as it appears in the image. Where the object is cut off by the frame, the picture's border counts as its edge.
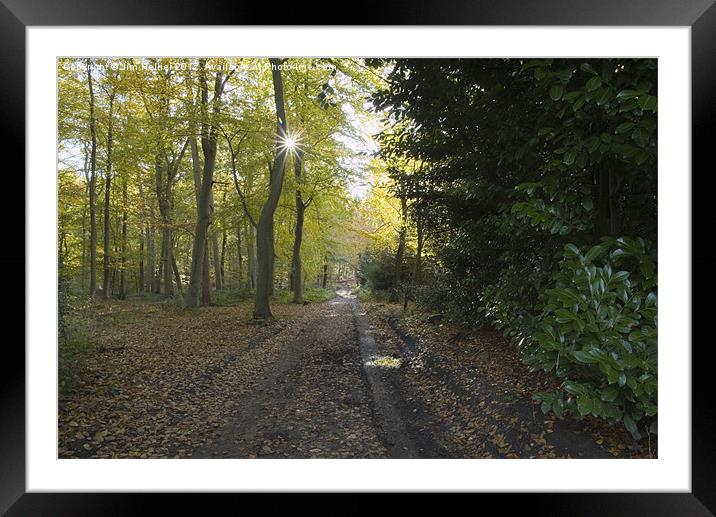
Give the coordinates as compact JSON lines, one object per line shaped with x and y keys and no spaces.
{"x":163,"y":189}
{"x":141,"y":262}
{"x":208,"y":146}
{"x":218,"y":281}
{"x":264,"y":229}
{"x":106,"y":251}
{"x":218,"y":277}
{"x":157,"y":287}
{"x":418,"y":274}
{"x":123,"y":264}
{"x":222,"y":261}
{"x":251,"y":231}
{"x":206,"y":277}
{"x":175,"y":268}
{"x":197,"y":167}
{"x":165,"y":198}
{"x":106,"y":259}
{"x":150,"y":255}
{"x":401,"y":247}
{"x":92,"y":186}
{"x":239,"y":255}
{"x":251,"y":257}
{"x":296,"y":272}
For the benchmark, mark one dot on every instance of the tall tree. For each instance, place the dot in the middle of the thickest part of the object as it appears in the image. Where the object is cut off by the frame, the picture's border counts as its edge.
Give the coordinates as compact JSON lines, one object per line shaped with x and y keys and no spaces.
{"x":264,"y":228}
{"x":218,"y":276}
{"x":106,"y":259}
{"x":402,"y":233}
{"x":123,"y":257}
{"x":166,"y":168}
{"x":296,"y":269}
{"x":92,"y":183}
{"x":209,"y":128}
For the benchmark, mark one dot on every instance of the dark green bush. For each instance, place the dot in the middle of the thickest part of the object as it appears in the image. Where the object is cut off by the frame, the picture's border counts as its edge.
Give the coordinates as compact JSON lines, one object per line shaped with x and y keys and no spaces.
{"x":598,"y":332}
{"x":376,"y":270}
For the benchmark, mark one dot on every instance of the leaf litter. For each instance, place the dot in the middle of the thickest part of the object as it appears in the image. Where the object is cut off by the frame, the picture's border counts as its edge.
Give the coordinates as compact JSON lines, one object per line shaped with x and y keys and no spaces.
{"x":172,"y":383}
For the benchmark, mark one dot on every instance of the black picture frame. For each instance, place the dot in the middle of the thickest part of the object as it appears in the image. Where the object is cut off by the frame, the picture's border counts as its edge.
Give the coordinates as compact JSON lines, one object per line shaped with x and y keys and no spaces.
{"x":700,"y":15}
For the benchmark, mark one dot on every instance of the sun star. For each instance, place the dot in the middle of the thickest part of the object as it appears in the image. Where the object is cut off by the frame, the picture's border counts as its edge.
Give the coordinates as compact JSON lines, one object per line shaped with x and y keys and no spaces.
{"x":291,"y":142}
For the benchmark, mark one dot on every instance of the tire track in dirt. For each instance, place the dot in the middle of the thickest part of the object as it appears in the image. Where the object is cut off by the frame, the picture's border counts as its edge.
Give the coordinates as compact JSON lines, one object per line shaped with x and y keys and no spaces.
{"x":314,"y":402}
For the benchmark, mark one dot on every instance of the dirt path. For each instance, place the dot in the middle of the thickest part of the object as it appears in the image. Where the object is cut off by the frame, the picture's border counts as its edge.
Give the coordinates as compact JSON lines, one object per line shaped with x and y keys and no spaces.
{"x":340,"y":379}
{"x":343,"y":388}
{"x":313,"y":402}
{"x":320,"y":400}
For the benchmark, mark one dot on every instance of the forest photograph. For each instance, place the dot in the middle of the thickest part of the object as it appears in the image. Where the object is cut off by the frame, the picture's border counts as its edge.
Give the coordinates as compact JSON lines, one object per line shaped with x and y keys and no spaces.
{"x":357,"y":258}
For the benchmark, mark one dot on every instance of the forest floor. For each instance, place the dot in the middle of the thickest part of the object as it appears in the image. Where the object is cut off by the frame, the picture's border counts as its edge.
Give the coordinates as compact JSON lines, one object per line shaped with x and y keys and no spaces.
{"x":340,"y":379}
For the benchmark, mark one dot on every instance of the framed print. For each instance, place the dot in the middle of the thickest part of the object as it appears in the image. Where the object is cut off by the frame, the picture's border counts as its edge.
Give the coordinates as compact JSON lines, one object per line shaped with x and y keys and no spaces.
{"x":418,"y":254}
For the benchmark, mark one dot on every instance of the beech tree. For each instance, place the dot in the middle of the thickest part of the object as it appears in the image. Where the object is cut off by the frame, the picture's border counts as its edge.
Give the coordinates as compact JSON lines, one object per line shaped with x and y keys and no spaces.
{"x":209,"y":131}
{"x":201,"y":149}
{"x":264,"y":227}
{"x":92,"y":183}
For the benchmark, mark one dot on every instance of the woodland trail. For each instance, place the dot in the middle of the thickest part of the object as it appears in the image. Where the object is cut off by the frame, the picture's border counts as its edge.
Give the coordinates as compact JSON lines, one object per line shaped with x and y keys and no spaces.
{"x":343,"y":389}
{"x":320,"y":400}
{"x":339,"y":379}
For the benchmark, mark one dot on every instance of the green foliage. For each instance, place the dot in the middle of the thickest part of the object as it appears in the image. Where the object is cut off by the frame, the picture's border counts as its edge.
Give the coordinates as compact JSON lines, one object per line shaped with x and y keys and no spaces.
{"x":73,"y":346}
{"x":318,"y":294}
{"x":63,"y":302}
{"x":520,"y":158}
{"x":366,"y":294}
{"x":598,"y":332}
{"x":310,"y":294}
{"x":158,"y":104}
{"x":228,"y":297}
{"x":72,"y":352}
{"x":376,"y":270}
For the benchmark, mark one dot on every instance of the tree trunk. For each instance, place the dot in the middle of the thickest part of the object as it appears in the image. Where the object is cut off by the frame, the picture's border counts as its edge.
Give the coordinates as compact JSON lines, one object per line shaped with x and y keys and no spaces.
{"x":401,"y":248}
{"x":206,"y":277}
{"x":218,"y":277}
{"x":264,"y":229}
{"x":163,"y":187}
{"x":418,"y":274}
{"x":251,"y":257}
{"x":222,"y":261}
{"x":175,"y":268}
{"x":141,"y":262}
{"x":106,"y":259}
{"x":239,"y":256}
{"x":83,"y":263}
{"x":123,"y":264}
{"x":167,"y":261}
{"x":196,"y":167}
{"x":92,"y":187}
{"x":325,"y":275}
{"x":208,"y":146}
{"x":83,"y":259}
{"x":150,"y":257}
{"x":296,"y":273}
{"x":157,"y":287}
